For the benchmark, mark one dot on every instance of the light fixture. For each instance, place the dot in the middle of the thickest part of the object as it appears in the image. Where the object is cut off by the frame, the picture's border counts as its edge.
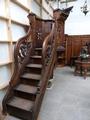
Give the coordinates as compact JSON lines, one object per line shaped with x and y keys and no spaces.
{"x":84,"y":8}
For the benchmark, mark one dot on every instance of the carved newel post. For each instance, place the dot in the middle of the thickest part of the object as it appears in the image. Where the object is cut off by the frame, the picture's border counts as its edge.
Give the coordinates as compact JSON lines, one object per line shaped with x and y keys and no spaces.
{"x":60,"y":16}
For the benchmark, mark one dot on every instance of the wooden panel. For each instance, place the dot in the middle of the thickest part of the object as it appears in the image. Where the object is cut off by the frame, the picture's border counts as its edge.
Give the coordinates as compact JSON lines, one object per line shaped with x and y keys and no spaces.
{"x":40,"y":27}
{"x":60,"y":32}
{"x":44,"y":29}
{"x":85,"y":39}
{"x":69,"y":49}
{"x":74,"y":45}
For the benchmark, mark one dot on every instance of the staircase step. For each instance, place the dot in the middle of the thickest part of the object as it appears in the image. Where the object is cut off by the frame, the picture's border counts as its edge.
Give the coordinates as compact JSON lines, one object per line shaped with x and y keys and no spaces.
{"x":38,"y":51}
{"x":26,"y":91}
{"x":36,"y":56}
{"x":34,"y":65}
{"x":20,"y":108}
{"x":30,"y":79}
{"x":36,"y":59}
{"x":9,"y":117}
{"x":33,"y":68}
{"x":21,"y":103}
{"x":38,"y":48}
{"x":31,"y":76}
{"x":26,"y":88}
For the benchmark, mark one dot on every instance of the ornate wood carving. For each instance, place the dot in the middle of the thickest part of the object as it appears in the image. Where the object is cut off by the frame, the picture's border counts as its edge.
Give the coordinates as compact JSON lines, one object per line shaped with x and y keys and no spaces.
{"x":60,"y":16}
{"x":42,"y":35}
{"x":23,"y":50}
{"x":48,"y":46}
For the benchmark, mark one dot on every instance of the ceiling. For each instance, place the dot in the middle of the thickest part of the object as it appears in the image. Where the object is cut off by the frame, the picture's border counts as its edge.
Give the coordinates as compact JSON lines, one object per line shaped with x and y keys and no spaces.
{"x":56,"y":3}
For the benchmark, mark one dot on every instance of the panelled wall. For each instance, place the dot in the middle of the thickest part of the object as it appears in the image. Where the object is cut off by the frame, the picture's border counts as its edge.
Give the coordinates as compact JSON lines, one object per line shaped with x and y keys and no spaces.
{"x":13,"y":19}
{"x":74,"y":45}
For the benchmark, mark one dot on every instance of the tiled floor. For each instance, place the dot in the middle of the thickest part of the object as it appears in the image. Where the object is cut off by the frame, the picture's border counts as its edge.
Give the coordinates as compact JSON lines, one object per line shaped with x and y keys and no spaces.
{"x":69,"y":98}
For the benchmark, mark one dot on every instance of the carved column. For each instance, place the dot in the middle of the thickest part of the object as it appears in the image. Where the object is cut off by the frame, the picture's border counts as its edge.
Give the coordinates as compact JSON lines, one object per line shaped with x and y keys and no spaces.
{"x":60,"y":16}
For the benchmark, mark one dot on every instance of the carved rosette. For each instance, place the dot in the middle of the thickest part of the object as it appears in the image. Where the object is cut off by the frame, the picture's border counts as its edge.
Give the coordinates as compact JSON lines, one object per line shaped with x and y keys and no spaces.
{"x":23,"y":50}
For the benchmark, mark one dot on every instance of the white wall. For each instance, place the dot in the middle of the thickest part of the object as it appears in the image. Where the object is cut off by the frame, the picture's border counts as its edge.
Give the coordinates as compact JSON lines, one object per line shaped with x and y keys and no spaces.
{"x":47,"y":7}
{"x":17,"y":13}
{"x":5,"y":74}
{"x":3,"y":31}
{"x":17,"y":31}
{"x":34,"y":7}
{"x":2,"y":8}
{"x":77,"y":23}
{"x":11,"y":31}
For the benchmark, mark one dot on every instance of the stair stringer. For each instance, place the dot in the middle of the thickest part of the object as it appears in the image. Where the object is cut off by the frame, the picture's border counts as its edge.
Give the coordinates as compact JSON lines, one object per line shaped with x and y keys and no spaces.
{"x":48,"y":61}
{"x":21,"y":61}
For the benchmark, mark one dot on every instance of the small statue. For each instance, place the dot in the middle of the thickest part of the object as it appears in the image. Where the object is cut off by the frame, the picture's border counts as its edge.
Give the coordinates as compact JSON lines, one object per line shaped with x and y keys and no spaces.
{"x":84,"y":52}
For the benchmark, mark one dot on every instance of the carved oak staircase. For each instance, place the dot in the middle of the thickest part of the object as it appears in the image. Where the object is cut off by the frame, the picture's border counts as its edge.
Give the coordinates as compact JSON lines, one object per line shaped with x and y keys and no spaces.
{"x":35,"y":56}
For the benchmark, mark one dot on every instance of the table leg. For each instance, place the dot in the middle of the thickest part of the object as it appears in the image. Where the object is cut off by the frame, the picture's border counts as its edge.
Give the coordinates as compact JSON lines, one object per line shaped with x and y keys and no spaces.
{"x":85,"y":73}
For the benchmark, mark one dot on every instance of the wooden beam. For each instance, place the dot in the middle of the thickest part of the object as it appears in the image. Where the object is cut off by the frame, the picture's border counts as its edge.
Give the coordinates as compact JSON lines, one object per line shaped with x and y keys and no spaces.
{"x":5,"y":41}
{"x":21,"y":5}
{"x":47,"y":1}
{"x":5,"y":63}
{"x":7,"y":6}
{"x":18,"y":23}
{"x":43,"y":8}
{"x":4,"y":18}
{"x":66,"y":1}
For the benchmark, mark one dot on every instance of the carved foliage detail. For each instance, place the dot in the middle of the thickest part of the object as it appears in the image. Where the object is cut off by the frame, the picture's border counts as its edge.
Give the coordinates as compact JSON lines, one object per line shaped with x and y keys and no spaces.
{"x":49,"y":51}
{"x":23,"y":50}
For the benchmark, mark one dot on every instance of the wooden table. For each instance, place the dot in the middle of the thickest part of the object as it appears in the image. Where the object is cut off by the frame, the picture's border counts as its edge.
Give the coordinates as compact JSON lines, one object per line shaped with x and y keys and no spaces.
{"x":82,"y":67}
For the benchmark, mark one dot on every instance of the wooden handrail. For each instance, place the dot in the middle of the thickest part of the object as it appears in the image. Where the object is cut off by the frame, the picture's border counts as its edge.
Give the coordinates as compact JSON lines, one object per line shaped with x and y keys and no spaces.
{"x":48,"y":57}
{"x":47,"y":44}
{"x":48,"y":64}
